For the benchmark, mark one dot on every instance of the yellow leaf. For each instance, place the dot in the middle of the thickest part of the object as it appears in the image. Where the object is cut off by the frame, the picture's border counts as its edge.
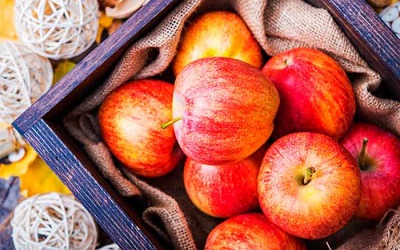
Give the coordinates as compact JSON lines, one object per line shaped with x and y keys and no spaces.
{"x":62,"y":69}
{"x":41,"y":179}
{"x":20,"y":167}
{"x":35,"y":175}
{"x":99,"y":34}
{"x":7,"y":31}
{"x":105,"y":22}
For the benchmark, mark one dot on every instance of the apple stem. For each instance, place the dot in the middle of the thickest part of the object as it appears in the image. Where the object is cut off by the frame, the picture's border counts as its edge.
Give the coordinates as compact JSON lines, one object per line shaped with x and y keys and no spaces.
{"x":309,"y":174}
{"x":168,"y":123}
{"x":362,"y":155}
{"x":286,"y":62}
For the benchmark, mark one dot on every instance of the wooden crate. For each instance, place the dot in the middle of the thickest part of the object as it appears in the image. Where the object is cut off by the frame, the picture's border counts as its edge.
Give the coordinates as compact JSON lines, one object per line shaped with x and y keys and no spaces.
{"x":41,"y":125}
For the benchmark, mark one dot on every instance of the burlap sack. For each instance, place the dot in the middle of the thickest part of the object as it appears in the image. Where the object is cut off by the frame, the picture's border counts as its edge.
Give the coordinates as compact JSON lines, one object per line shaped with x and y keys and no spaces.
{"x":278,"y":25}
{"x":384,"y":236}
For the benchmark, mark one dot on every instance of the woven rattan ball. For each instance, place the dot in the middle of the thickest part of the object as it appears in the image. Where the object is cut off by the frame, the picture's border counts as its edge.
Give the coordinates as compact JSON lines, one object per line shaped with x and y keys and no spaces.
{"x":391,"y":16}
{"x":53,"y":221}
{"x":57,"y":29}
{"x":24,"y":77}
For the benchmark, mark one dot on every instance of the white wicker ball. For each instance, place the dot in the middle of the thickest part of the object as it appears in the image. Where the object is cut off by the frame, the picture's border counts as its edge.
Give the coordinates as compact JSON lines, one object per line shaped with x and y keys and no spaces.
{"x":57,"y":29}
{"x":53,"y":221}
{"x":24,"y":77}
{"x":391,"y":16}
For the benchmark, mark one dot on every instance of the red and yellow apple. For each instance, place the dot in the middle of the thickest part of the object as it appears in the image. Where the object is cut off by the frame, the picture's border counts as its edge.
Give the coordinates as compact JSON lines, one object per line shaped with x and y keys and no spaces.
{"x":217,"y":33}
{"x":129,"y":120}
{"x":309,"y":185}
{"x":377,"y":152}
{"x":224,"y":190}
{"x":316,"y":94}
{"x":251,"y":231}
{"x":223,"y":110}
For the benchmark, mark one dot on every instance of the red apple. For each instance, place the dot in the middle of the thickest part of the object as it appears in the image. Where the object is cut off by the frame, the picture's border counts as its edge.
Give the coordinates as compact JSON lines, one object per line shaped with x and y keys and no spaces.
{"x":309,"y":185}
{"x":217,"y":33}
{"x":223,"y":110}
{"x":130,"y":118}
{"x":377,"y":153}
{"x":251,"y":231}
{"x":316,"y":94}
{"x":224,"y":190}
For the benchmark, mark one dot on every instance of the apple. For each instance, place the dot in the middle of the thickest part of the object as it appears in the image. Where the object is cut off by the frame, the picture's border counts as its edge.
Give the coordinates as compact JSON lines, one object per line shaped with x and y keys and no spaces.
{"x":223,"y":110}
{"x":223,"y":190}
{"x":309,"y":185}
{"x":251,"y":231}
{"x":217,"y":33}
{"x":129,"y":120}
{"x":377,"y":152}
{"x":316,"y":94}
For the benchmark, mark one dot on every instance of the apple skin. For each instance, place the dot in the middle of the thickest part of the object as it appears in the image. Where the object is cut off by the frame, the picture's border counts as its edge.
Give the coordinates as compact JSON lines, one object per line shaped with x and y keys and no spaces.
{"x":217,"y":33}
{"x":329,"y":199}
{"x":380,"y":172}
{"x":227,"y":108}
{"x":316,"y":94}
{"x":251,"y":231}
{"x":130,"y":119}
{"x":224,"y":190}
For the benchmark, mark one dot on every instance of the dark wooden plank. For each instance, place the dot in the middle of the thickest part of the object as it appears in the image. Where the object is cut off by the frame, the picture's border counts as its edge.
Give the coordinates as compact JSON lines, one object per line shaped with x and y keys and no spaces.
{"x":374,"y":40}
{"x":106,"y":53}
{"x":86,"y":187}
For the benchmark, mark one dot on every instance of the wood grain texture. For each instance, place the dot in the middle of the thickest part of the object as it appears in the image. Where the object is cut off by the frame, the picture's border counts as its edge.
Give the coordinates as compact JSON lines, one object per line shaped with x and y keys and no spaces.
{"x":376,"y":42}
{"x":97,"y":197}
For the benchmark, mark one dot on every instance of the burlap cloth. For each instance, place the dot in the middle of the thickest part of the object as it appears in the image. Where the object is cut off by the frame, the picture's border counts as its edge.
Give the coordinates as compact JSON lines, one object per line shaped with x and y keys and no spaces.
{"x":278,"y":25}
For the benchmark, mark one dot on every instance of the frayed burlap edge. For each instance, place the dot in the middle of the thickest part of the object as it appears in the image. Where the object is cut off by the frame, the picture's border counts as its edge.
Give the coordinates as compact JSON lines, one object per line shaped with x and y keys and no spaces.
{"x":385,"y":236}
{"x":164,"y":207}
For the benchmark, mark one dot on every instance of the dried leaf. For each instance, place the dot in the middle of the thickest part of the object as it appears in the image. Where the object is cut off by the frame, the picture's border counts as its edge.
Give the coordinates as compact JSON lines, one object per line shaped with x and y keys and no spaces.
{"x":105,"y":22}
{"x":20,"y":167}
{"x":62,"y":69}
{"x":41,"y":179}
{"x":35,"y":175}
{"x":7,"y":31}
{"x":99,"y":34}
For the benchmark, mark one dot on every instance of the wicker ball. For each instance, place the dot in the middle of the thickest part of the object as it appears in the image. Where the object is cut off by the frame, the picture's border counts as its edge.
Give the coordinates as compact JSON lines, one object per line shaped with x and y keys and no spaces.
{"x":57,"y":29}
{"x":24,"y":77}
{"x":53,"y":221}
{"x":391,"y":16}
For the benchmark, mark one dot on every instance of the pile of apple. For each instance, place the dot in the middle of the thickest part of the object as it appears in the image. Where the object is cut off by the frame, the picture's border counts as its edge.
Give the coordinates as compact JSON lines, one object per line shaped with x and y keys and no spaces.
{"x":274,"y":148}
